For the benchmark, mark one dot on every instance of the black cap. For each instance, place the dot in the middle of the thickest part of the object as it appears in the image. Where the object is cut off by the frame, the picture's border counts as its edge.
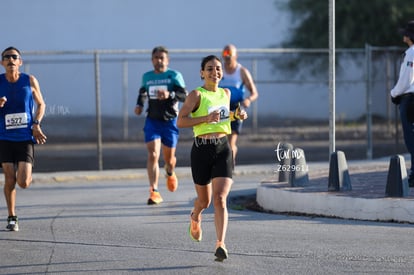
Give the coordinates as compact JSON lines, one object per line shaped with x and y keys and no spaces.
{"x":408,"y":30}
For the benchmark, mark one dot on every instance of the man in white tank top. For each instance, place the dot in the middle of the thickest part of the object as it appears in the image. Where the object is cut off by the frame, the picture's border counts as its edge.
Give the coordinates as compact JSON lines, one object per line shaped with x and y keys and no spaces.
{"x":237,"y":79}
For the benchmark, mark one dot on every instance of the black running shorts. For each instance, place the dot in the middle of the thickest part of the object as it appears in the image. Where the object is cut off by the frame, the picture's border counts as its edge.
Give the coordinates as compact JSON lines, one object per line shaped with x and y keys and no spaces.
{"x":16,"y":151}
{"x":211,"y":158}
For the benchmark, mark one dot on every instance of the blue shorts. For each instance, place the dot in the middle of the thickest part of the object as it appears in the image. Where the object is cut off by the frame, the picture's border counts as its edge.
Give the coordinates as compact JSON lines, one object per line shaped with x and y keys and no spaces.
{"x":236,"y":126}
{"x":167,"y":131}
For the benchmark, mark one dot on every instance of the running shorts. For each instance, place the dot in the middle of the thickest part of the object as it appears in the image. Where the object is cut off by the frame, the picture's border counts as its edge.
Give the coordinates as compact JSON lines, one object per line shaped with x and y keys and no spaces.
{"x":211,"y":158}
{"x":16,"y":151}
{"x":236,"y":126}
{"x":167,"y":131}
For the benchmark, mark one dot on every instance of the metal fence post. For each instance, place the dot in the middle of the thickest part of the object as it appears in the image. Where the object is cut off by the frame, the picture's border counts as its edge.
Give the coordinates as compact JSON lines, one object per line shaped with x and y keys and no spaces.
{"x":368,"y":55}
{"x":388,"y":88}
{"x":98,"y":111}
{"x":125,"y":96}
{"x":396,"y":69}
{"x":255,"y":112}
{"x":332,"y":92}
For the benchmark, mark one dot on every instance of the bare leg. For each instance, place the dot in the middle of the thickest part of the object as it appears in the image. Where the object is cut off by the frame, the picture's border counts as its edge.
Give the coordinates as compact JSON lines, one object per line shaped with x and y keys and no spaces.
{"x":233,"y":144}
{"x":169,"y":158}
{"x":10,"y":187}
{"x":202,"y":201}
{"x":153,"y":148}
{"x":24,"y":174}
{"x":221,"y":189}
{"x":23,"y":179}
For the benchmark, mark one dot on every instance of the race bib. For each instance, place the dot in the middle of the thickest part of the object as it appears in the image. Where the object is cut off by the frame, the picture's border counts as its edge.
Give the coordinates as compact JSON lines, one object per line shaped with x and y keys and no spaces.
{"x":16,"y":121}
{"x":153,"y":91}
{"x":223,"y":110}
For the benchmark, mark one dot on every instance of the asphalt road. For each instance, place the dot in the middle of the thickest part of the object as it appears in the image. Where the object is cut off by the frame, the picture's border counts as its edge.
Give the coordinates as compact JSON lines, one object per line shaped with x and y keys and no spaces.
{"x":105,"y":227}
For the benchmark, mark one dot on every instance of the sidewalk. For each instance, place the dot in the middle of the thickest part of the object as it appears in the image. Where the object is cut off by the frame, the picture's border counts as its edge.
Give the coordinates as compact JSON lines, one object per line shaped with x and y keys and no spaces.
{"x":366,"y":201}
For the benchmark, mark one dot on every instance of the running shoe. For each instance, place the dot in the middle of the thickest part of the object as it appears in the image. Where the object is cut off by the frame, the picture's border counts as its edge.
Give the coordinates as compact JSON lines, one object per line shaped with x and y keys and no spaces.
{"x":12,"y":223}
{"x":155,"y":198}
{"x":172,"y":181}
{"x":221,"y":252}
{"x":194,"y":229}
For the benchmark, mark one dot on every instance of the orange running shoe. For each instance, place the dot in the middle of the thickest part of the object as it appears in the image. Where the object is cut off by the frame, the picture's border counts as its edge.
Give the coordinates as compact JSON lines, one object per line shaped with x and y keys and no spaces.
{"x":221,"y":252}
{"x":194,"y":229}
{"x":172,"y":181}
{"x":155,"y":198}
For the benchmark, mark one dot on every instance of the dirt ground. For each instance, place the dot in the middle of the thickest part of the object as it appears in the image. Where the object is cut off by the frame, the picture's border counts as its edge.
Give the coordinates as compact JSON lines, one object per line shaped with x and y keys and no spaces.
{"x":72,"y":143}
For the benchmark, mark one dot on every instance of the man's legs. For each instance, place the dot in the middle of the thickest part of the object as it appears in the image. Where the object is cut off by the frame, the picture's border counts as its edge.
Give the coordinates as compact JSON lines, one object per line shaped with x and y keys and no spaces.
{"x":170,"y":162}
{"x":236,"y":127}
{"x":233,"y":144}
{"x":10,"y":187}
{"x":153,"y":148}
{"x":169,"y":158}
{"x":408,"y":131}
{"x":23,"y":179}
{"x":169,"y":142}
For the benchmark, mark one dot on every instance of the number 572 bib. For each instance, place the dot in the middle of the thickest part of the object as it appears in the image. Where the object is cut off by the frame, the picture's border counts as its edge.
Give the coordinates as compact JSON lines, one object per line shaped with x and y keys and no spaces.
{"x":16,"y":121}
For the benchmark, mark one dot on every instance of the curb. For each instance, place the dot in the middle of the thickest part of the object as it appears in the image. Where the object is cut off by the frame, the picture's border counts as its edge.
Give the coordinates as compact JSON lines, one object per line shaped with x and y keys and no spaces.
{"x":384,"y":209}
{"x":315,"y":198}
{"x":130,"y":174}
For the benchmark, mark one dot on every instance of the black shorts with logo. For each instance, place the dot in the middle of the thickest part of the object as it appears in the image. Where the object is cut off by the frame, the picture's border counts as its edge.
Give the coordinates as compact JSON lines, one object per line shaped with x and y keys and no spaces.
{"x":211,"y":158}
{"x":16,"y":151}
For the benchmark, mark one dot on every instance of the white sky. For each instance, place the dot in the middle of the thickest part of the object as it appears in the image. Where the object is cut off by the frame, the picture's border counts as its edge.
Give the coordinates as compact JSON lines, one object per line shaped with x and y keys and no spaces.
{"x":58,"y":25}
{"x":139,"y":24}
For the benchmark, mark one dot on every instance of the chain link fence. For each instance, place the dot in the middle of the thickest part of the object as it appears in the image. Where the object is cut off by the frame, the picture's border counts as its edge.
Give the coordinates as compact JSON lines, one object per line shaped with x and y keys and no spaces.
{"x":91,"y":95}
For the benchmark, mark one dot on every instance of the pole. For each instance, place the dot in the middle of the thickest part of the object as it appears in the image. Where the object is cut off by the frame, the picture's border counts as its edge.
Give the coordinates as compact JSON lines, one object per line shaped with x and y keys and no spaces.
{"x":98,"y":112}
{"x":368,"y":52}
{"x":331,"y":76}
{"x":125,"y":97}
{"x":254,"y":105}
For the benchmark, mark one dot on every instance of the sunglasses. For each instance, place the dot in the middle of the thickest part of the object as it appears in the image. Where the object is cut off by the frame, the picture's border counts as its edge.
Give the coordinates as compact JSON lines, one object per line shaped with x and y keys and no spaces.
{"x":10,"y":56}
{"x":227,"y":53}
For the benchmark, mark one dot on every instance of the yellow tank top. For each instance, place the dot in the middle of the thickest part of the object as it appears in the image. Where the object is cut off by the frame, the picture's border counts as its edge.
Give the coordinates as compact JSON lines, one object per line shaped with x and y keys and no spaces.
{"x":209,"y":102}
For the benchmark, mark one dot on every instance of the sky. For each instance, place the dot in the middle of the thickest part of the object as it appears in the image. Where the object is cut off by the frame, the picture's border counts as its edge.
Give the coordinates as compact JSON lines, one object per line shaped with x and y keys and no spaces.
{"x":79,"y":25}
{"x":76,"y":25}
{"x":140,"y":24}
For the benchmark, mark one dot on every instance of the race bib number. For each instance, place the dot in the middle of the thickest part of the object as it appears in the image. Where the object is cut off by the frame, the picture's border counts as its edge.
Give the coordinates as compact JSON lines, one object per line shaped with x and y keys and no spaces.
{"x":16,"y":121}
{"x":153,"y":91}
{"x":223,"y":110}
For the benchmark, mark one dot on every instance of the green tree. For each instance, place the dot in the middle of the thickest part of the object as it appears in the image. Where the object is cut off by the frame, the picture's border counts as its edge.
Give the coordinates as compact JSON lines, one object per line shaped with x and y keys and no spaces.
{"x":357,"y":23}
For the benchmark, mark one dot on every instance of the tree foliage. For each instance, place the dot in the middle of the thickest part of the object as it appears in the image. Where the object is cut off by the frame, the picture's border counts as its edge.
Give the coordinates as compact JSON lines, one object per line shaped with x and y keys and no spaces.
{"x":358,"y":22}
